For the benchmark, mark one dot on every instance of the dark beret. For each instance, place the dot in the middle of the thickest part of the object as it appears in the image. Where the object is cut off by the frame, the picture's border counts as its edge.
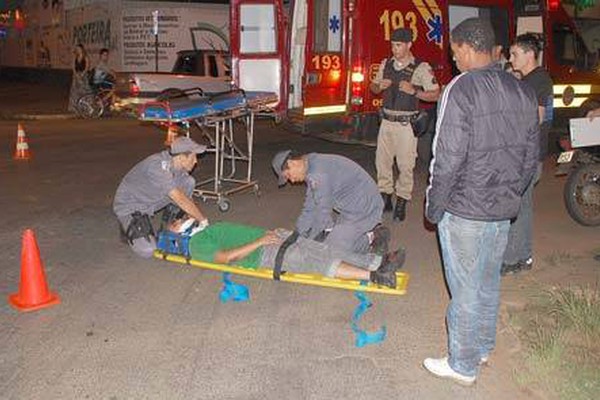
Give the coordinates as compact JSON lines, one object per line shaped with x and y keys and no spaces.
{"x":401,"y":35}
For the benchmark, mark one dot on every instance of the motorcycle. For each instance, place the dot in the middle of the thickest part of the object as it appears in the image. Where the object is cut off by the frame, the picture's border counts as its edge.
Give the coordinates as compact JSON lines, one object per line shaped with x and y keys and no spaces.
{"x":582,"y":188}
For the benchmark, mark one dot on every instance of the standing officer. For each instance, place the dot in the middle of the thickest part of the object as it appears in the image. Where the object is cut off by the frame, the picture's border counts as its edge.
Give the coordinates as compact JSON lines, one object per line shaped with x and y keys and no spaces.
{"x":404,"y":81}
{"x":160,"y":180}
{"x":335,"y":184}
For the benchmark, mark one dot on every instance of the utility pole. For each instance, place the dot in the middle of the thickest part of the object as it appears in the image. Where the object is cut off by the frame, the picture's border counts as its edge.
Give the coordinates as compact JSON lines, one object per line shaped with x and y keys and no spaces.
{"x":155,"y":32}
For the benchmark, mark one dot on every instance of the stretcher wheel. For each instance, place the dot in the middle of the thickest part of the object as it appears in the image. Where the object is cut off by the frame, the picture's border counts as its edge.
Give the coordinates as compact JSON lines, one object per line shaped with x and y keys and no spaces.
{"x":224,"y":205}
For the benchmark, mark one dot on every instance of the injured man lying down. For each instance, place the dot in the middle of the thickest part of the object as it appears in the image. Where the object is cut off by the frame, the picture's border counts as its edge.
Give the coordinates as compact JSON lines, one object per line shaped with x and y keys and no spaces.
{"x":253,"y":247}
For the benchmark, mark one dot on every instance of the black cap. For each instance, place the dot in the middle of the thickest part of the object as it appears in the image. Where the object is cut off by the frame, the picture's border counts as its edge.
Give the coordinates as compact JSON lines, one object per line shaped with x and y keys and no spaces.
{"x":402,"y":35}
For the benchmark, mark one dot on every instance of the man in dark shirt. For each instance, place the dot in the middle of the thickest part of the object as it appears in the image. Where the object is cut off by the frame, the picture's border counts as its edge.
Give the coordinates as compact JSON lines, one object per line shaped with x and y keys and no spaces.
{"x":524,"y":55}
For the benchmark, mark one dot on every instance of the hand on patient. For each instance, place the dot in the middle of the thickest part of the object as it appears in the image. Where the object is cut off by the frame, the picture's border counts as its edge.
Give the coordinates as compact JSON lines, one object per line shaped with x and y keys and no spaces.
{"x":270,"y":238}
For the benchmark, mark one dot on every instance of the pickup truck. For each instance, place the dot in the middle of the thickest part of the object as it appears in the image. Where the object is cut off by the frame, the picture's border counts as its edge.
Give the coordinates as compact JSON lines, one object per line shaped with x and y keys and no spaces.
{"x":205,"y":69}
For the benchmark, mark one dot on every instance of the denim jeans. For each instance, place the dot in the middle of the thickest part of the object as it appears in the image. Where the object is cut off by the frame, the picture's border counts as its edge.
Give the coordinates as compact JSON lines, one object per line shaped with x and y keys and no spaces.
{"x":472,"y":253}
{"x":520,"y":235}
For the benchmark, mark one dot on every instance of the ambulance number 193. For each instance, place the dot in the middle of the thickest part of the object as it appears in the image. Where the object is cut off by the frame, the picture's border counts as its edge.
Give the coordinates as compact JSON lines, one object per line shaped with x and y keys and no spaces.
{"x":326,"y":62}
{"x":392,"y":20}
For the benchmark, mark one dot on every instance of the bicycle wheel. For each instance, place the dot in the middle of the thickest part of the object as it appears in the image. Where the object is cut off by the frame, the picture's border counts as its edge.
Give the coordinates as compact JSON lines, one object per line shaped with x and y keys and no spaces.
{"x":90,"y":106}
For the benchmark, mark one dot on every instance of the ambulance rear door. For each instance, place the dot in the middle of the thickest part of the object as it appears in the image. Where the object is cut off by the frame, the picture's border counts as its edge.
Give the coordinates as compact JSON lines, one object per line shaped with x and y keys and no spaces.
{"x":258,"y":54}
{"x":325,"y":75}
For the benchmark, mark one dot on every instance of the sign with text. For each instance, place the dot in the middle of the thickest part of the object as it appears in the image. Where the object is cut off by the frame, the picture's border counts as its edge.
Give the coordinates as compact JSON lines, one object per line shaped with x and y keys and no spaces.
{"x":174,"y":29}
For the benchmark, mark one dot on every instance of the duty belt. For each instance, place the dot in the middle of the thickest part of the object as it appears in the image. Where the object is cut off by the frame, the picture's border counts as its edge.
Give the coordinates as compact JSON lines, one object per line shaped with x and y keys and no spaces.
{"x":405,"y":119}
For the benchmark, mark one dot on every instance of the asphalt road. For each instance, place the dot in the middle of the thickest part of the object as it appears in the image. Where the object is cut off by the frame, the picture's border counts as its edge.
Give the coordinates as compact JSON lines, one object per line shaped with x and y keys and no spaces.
{"x":130,"y":329}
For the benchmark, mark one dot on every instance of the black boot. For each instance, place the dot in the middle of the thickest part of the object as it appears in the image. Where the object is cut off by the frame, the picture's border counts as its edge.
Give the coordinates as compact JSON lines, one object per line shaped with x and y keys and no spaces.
{"x":381,"y":239}
{"x":400,"y":210}
{"x":386,"y":273}
{"x":387,"y":202}
{"x":387,"y":278}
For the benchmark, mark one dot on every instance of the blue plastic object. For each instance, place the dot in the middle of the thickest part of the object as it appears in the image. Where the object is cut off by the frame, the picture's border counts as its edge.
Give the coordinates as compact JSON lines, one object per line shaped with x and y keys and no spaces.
{"x":233,"y":291}
{"x":186,"y":109}
{"x":174,"y":243}
{"x":363,"y":337}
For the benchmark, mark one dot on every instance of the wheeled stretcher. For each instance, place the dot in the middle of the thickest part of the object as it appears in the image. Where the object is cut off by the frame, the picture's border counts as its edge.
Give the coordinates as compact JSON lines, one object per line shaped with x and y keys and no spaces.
{"x":218,"y":111}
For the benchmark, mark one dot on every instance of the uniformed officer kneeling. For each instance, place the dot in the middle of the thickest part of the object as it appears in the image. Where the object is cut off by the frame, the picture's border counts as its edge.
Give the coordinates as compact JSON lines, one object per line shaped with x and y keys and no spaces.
{"x":160,"y":181}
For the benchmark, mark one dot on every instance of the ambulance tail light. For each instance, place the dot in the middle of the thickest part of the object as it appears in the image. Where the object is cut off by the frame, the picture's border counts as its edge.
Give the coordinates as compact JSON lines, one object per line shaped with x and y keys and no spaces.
{"x":358,"y":76}
{"x":357,"y":79}
{"x":553,"y":5}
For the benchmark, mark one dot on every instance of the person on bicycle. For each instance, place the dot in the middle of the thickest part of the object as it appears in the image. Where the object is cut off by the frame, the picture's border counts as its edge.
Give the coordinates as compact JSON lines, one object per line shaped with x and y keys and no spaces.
{"x":104,"y":77}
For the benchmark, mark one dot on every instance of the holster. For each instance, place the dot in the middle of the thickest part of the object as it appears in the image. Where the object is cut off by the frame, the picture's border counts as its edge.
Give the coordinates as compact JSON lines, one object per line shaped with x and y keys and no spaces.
{"x":420,"y":123}
{"x":139,"y":227}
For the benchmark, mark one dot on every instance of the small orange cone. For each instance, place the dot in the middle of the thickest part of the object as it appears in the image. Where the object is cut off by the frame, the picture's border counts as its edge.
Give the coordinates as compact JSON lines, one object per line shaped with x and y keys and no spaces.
{"x":22,"y":148}
{"x":172,"y":133}
{"x":33,"y":290}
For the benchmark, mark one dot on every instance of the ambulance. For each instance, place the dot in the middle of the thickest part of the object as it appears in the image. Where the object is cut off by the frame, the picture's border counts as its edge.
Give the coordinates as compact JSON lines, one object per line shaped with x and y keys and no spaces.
{"x":320,"y":56}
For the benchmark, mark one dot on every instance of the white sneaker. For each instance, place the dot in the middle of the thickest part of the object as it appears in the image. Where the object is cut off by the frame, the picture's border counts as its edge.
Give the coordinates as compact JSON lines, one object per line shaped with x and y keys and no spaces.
{"x":440,"y":368}
{"x":483,"y":361}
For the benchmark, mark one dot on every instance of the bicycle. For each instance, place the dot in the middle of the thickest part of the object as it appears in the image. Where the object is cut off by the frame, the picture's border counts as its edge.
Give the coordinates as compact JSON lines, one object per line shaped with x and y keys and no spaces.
{"x":95,"y":104}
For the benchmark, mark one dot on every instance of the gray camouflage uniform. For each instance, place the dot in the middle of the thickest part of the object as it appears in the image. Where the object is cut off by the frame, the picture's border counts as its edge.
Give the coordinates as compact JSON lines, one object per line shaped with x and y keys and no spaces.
{"x":336,"y":183}
{"x":146,"y":189}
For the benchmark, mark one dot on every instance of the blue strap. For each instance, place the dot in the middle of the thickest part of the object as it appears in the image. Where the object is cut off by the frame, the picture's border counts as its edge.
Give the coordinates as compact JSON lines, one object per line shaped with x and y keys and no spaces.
{"x":363,"y":337}
{"x":233,"y":291}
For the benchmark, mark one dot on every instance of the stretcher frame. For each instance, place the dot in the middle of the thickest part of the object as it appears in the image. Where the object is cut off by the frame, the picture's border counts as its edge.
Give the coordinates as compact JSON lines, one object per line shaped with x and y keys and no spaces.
{"x":222,"y":144}
{"x":228,"y":152}
{"x":305,"y":279}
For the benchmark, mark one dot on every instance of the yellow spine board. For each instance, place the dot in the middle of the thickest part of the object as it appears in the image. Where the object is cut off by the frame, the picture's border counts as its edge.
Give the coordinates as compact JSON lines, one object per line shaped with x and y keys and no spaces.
{"x":305,"y":279}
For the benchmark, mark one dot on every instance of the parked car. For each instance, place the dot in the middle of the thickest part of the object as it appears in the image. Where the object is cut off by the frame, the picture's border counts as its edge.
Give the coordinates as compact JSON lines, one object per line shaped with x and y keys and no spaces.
{"x":208,"y":70}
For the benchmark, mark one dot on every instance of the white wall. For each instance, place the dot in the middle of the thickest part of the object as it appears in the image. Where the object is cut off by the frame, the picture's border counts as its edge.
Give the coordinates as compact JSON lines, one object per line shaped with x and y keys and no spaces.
{"x":124,"y":27}
{"x":175,"y":23}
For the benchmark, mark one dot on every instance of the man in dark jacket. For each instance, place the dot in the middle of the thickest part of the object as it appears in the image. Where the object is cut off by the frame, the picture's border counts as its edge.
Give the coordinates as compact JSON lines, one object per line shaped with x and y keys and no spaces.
{"x":485,"y":154}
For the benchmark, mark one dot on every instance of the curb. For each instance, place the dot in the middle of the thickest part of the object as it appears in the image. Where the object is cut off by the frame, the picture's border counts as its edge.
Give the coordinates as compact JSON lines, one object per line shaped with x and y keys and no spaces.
{"x":42,"y":117}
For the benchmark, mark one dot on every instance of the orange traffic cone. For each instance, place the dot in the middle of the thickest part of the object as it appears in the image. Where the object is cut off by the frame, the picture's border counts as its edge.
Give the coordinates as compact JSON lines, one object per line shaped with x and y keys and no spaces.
{"x":33,"y":289}
{"x":22,"y":148}
{"x":172,"y":133}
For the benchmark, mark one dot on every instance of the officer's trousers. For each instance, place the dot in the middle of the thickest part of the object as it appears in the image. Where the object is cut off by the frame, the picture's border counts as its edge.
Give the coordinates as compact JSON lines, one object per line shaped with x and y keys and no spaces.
{"x":396,"y":140}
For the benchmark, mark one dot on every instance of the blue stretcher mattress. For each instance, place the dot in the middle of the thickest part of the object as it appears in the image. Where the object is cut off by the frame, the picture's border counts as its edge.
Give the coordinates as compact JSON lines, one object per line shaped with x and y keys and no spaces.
{"x":196,"y":107}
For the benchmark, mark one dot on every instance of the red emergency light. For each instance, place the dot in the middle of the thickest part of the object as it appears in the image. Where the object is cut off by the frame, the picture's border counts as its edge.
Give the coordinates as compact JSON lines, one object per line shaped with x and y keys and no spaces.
{"x":357,"y":79}
{"x":553,"y":5}
{"x":19,"y":20}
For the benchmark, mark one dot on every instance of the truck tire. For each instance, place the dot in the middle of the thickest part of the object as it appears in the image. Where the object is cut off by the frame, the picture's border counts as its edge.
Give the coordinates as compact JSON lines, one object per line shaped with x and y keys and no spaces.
{"x":582,"y":194}
{"x":169,"y":94}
